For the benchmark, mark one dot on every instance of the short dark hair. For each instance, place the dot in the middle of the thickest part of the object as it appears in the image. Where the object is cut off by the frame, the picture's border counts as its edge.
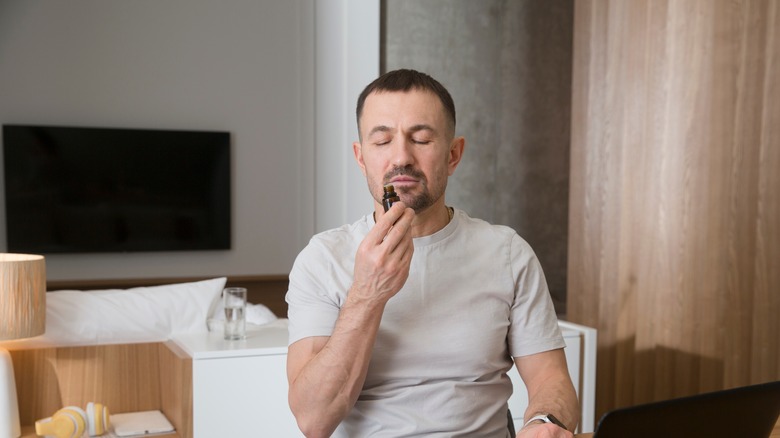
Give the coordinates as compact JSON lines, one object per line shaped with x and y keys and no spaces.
{"x":406,"y":80}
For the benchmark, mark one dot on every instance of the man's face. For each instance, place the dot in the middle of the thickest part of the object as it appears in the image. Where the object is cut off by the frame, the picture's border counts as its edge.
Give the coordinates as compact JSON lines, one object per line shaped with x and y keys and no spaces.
{"x":407,"y":142}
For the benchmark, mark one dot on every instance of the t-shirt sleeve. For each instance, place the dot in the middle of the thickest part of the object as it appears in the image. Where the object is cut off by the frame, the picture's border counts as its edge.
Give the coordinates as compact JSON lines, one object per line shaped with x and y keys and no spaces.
{"x":312,"y":310}
{"x":534,"y":325}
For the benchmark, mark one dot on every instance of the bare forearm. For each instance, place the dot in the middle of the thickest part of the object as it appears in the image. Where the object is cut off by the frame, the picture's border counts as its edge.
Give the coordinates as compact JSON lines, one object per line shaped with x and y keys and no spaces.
{"x":559,"y":399}
{"x":550,"y":389}
{"x":327,"y":387}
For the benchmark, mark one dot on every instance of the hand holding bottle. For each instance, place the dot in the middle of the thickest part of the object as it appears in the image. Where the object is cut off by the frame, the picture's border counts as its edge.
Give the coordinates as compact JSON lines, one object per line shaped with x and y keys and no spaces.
{"x":383,"y":258}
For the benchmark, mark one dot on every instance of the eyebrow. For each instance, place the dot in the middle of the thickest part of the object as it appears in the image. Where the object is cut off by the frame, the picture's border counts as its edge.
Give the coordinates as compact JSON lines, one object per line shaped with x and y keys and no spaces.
{"x":413,"y":129}
{"x":422,"y":127}
{"x":380,"y":128}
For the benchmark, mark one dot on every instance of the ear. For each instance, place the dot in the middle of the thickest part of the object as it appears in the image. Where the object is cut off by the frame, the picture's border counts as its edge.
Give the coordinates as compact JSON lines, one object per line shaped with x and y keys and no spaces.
{"x":456,"y":153}
{"x":357,"y":149}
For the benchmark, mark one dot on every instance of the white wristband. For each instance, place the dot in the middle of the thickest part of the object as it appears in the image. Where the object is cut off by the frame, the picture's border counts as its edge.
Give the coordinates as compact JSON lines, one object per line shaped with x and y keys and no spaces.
{"x":547,"y":418}
{"x":542,"y":417}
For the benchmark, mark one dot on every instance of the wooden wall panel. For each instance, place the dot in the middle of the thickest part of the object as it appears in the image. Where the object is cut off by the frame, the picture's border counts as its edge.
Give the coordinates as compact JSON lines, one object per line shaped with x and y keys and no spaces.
{"x":674,"y":231}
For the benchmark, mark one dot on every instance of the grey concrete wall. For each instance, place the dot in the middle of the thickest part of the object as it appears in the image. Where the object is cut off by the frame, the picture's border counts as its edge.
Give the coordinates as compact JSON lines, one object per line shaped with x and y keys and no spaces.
{"x":507,"y":65}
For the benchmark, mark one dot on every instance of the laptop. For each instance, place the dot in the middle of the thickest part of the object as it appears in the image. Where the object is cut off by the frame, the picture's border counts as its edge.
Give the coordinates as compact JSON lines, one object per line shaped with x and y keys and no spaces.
{"x":744,"y":412}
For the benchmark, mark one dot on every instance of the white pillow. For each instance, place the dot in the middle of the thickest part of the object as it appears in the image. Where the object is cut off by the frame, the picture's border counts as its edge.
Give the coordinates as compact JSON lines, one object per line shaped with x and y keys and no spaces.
{"x":116,"y":316}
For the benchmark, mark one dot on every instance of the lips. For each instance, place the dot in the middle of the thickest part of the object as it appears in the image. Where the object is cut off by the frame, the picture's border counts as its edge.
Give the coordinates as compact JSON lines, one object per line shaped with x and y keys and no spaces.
{"x":403,"y":180}
{"x":404,"y":176}
{"x":404,"y":184}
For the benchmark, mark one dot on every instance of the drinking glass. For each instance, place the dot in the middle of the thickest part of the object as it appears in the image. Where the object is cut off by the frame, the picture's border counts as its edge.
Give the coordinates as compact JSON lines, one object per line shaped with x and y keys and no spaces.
{"x":235,"y":313}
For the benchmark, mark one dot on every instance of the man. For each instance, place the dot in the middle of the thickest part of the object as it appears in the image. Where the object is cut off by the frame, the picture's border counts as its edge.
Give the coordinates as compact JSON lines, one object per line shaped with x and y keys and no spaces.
{"x":406,"y":322}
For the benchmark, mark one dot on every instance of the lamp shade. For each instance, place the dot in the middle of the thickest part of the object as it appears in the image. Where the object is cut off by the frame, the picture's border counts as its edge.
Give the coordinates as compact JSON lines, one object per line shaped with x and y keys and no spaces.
{"x":22,"y":296}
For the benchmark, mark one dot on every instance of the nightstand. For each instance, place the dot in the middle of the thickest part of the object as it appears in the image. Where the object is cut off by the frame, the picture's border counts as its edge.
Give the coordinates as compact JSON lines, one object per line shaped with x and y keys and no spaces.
{"x":239,"y":388}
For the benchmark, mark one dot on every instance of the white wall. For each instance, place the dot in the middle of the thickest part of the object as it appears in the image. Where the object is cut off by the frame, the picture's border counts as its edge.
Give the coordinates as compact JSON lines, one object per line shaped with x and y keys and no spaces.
{"x":347,"y":60}
{"x":248,"y":67}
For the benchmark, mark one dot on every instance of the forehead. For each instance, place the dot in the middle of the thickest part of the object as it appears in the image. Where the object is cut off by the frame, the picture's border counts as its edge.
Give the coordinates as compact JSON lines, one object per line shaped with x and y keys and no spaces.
{"x":398,"y":109}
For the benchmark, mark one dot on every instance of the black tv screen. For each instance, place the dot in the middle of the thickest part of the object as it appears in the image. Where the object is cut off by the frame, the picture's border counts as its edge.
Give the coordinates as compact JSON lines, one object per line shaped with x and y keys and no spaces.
{"x":75,"y":190}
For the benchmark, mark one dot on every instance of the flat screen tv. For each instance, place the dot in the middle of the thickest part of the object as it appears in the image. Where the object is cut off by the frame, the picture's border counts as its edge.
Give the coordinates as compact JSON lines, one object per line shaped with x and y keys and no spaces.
{"x":77,"y":190}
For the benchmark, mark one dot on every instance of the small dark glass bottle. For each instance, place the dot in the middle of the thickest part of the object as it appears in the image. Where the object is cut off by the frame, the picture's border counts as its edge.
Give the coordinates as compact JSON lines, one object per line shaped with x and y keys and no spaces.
{"x":389,"y":197}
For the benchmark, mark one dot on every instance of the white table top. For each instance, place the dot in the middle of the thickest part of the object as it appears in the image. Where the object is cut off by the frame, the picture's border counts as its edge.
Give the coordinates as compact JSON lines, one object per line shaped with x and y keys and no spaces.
{"x":268,"y":339}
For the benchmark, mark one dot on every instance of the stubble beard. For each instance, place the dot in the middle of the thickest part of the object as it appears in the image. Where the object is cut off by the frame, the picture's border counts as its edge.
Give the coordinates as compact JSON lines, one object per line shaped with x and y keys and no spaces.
{"x":419,"y":202}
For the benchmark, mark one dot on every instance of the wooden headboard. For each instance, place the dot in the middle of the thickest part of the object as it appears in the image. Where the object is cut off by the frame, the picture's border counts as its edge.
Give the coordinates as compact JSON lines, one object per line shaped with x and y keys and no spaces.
{"x":268,"y":290}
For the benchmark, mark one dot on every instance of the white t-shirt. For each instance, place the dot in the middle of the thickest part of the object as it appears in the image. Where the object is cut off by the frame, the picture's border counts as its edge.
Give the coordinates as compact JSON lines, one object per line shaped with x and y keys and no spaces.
{"x":476,"y":296}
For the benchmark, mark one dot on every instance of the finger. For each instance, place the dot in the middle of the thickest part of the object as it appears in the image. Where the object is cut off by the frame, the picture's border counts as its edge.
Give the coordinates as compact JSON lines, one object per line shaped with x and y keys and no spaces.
{"x":401,"y":231}
{"x":407,"y":251}
{"x":386,"y":221}
{"x":397,"y":263}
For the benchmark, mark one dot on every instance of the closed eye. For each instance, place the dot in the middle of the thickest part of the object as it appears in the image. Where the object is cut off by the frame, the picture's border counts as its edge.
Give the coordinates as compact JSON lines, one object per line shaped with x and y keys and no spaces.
{"x":422,"y":134}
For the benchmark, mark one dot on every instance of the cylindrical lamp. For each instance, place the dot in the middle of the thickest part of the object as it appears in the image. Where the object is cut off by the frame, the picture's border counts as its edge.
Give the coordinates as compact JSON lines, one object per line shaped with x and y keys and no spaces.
{"x":22,"y":315}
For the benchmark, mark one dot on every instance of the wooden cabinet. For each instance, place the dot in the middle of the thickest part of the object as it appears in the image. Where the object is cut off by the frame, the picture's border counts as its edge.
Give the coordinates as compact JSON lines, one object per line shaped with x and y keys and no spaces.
{"x":123,"y":377}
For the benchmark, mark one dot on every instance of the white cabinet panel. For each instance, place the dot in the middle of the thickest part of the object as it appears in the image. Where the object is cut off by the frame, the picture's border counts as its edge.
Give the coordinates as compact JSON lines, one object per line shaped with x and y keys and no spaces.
{"x":242,"y":397}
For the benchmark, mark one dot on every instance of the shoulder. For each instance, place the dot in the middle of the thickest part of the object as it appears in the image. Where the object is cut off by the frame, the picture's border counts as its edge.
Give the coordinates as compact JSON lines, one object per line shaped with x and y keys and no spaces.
{"x":480,"y":228}
{"x":336,"y":246}
{"x":500,"y":238}
{"x":345,"y":235}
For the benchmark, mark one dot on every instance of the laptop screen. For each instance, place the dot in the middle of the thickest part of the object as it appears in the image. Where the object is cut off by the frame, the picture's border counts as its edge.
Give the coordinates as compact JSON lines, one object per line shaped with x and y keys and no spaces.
{"x":745,"y":412}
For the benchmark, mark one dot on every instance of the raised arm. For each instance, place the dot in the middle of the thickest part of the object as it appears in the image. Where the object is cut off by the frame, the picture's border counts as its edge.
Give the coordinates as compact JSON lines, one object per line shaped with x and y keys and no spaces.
{"x":326,"y":374}
{"x":550,"y":391}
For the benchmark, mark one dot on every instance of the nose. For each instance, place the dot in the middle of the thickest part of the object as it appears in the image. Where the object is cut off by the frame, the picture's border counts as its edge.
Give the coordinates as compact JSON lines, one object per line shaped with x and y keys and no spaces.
{"x":402,"y":153}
